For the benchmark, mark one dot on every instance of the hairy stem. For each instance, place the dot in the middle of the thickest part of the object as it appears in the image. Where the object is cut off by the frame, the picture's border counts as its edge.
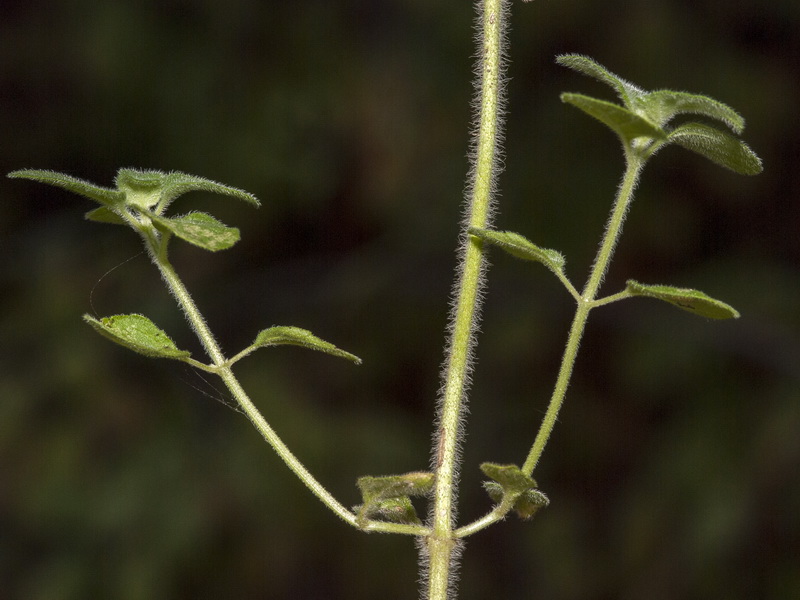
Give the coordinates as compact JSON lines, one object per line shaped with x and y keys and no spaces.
{"x":441,"y":543}
{"x":585,"y":303}
{"x":184,"y":299}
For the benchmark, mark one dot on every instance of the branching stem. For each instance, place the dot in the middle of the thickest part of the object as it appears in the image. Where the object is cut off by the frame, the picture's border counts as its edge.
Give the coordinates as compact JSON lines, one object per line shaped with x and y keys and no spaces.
{"x":223,"y":370}
{"x":585,"y":303}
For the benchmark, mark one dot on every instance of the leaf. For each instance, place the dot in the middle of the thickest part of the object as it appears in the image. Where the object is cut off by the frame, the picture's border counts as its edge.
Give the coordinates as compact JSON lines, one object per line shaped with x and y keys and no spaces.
{"x":662,"y":105}
{"x":295,"y":336}
{"x":520,"y":247}
{"x":510,"y":477}
{"x":105,"y":196}
{"x":142,"y":189}
{"x":394,"y":510}
{"x":388,"y":496}
{"x":177,"y":183}
{"x":415,"y":483}
{"x":149,"y":189}
{"x":646,"y":113}
{"x":718,"y":146}
{"x":138,"y":333}
{"x":103,"y":214}
{"x":687,"y":299}
{"x":527,"y":503}
{"x":624,"y":122}
{"x":200,"y":229}
{"x":583,"y":64}
{"x":509,"y":480}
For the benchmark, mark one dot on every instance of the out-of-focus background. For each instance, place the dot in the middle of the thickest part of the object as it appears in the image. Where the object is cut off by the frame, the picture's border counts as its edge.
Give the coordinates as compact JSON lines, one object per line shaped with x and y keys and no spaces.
{"x":673,"y":472}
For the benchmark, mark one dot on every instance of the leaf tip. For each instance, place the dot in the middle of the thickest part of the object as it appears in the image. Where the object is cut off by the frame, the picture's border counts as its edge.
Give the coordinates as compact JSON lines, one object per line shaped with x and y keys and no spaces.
{"x":690,"y":300}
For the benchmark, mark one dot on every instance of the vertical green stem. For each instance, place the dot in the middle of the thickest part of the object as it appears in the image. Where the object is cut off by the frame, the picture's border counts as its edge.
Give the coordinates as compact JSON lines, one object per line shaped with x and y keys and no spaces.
{"x":585,"y":303}
{"x":441,"y":543}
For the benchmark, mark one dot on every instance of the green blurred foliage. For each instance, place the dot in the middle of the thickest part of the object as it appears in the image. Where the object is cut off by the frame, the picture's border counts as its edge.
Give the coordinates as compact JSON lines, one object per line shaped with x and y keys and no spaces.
{"x":673,"y":470}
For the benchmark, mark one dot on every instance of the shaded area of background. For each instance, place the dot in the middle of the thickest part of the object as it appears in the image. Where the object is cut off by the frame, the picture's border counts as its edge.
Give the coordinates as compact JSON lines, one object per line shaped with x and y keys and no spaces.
{"x":673,"y":471}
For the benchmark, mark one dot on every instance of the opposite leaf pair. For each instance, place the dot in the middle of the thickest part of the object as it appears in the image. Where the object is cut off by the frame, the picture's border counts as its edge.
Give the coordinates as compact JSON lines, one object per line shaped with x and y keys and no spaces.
{"x":389,"y":497}
{"x":140,"y":200}
{"x":642,"y":122}
{"x":693,"y":301}
{"x":142,"y":197}
{"x":140,"y":334}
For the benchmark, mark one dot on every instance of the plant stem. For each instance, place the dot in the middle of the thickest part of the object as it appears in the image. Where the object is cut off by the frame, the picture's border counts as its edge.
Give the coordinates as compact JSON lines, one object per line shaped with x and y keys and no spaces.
{"x":564,"y":374}
{"x":498,"y":513}
{"x":633,"y":169}
{"x":585,"y":303}
{"x":176,"y":286}
{"x":441,"y":542}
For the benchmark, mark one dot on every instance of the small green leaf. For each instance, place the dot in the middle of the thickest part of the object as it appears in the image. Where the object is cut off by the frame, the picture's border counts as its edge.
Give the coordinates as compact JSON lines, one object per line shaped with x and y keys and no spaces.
{"x":388,"y":497}
{"x":415,"y":483}
{"x":177,"y":183}
{"x":718,"y":146}
{"x":527,"y":503}
{"x":105,"y":196}
{"x":510,"y":481}
{"x":662,"y":105}
{"x":687,"y":299}
{"x":394,"y":510}
{"x":156,"y":190}
{"x":295,"y":336}
{"x":510,"y":477}
{"x":646,"y":114}
{"x":495,"y":490}
{"x":520,"y":247}
{"x":200,"y":229}
{"x":103,"y":214}
{"x":583,"y":64}
{"x":624,"y":122}
{"x":138,"y":333}
{"x":142,"y":189}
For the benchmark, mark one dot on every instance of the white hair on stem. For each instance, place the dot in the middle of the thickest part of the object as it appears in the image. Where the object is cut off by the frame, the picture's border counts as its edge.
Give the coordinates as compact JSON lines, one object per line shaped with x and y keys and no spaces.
{"x":485,"y":163}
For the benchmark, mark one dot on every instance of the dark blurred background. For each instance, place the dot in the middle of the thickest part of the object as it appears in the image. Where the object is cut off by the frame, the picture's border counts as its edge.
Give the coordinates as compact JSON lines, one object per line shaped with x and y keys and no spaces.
{"x":673,"y":473}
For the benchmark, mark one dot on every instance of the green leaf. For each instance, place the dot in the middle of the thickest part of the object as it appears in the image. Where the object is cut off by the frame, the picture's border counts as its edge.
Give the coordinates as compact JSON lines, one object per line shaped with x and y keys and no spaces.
{"x":394,"y":510}
{"x":527,"y":503}
{"x":520,"y":247}
{"x":177,"y":183}
{"x":295,"y":336}
{"x":662,"y":105}
{"x":105,"y":196}
{"x":583,"y":64}
{"x":103,"y":214}
{"x":718,"y":146}
{"x":138,"y":333}
{"x":646,"y":114}
{"x":142,"y":189}
{"x":687,"y":299}
{"x":510,"y":481}
{"x":156,"y":190}
{"x":510,"y":477}
{"x":415,"y":483}
{"x":200,"y":229}
{"x":624,"y":122}
{"x":388,"y":497}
